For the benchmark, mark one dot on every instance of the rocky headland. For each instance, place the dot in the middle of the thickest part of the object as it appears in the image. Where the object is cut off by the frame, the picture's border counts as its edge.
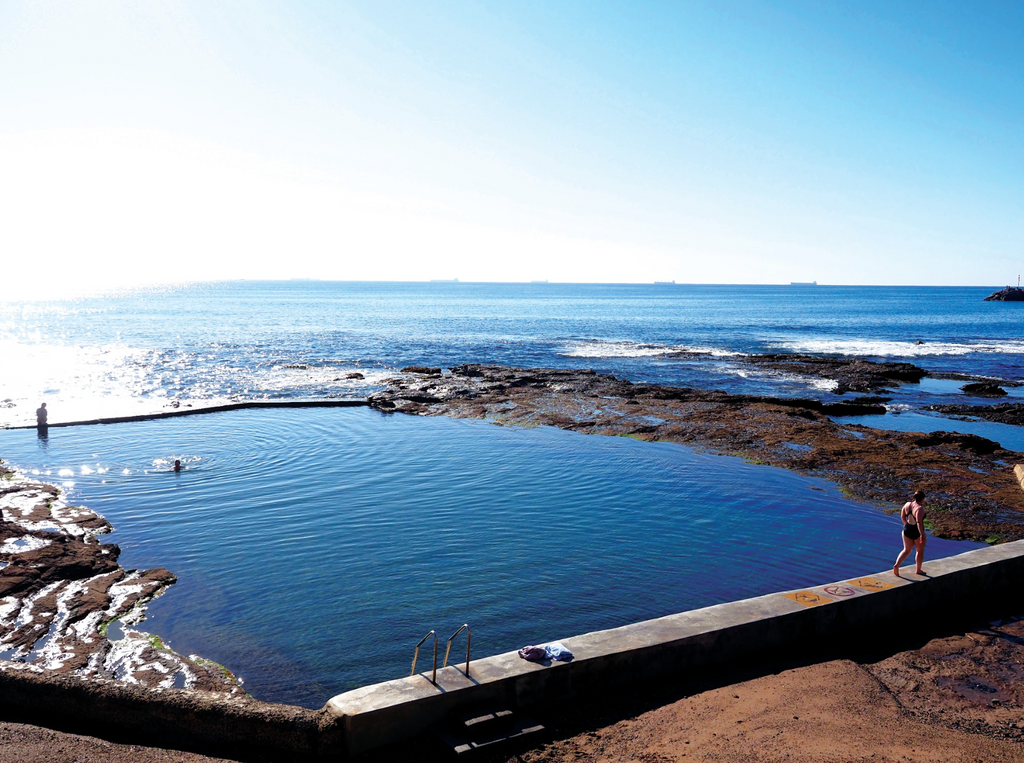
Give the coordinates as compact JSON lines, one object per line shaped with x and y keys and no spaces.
{"x":974,"y":493}
{"x":1007,"y":294}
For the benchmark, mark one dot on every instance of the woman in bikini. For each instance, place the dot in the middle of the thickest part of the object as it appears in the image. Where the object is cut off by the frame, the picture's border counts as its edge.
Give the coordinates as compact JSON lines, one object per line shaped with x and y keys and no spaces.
{"x":912,"y":516}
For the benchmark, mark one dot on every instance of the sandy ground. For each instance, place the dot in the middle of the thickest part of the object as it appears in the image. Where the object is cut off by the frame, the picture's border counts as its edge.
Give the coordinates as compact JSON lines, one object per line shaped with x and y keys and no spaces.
{"x":955,"y":698}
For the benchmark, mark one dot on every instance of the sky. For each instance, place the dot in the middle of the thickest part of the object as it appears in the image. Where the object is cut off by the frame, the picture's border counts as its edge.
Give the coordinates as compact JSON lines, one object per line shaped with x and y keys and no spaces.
{"x":701,"y":142}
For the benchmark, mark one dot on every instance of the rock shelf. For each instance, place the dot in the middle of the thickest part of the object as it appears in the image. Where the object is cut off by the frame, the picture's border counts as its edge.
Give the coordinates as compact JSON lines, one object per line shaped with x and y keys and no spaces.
{"x":64,"y":598}
{"x":848,"y":374}
{"x":1000,"y":413}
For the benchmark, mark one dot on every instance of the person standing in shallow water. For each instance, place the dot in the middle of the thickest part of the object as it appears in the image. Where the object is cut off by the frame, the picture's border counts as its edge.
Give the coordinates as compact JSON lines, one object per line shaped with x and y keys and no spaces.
{"x":912,"y":515}
{"x":41,"y":416}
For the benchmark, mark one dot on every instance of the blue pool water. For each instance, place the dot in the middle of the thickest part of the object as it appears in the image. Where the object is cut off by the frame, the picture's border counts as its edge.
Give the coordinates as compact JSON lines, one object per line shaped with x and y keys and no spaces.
{"x":314,"y":547}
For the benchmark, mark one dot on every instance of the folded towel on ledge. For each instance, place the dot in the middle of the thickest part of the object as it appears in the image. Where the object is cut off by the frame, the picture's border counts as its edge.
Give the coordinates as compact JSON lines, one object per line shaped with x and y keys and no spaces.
{"x":557,"y":651}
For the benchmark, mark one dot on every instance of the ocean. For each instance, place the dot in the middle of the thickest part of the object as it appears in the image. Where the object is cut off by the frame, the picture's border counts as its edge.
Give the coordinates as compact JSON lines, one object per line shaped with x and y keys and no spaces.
{"x":314,"y":547}
{"x":137,"y":351}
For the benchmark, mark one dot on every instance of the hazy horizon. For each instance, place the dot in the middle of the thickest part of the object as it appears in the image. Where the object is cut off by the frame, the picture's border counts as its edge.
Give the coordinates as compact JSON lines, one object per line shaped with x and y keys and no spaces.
{"x":90,"y":291}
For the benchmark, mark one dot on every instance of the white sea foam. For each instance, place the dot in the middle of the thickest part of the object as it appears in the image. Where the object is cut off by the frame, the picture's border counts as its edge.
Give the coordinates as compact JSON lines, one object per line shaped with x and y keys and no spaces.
{"x":24,"y":500}
{"x":317,"y":378}
{"x":51,"y":653}
{"x":23,"y":544}
{"x":26,"y":610}
{"x":824,"y":385}
{"x":600,"y":348}
{"x":124,"y":657}
{"x":121,"y":591}
{"x":905,"y":349}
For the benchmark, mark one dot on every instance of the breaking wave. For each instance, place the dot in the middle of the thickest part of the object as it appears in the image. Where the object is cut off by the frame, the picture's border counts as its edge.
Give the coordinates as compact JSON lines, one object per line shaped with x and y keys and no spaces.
{"x":601,"y":348}
{"x":904,"y":349}
{"x":752,"y":372}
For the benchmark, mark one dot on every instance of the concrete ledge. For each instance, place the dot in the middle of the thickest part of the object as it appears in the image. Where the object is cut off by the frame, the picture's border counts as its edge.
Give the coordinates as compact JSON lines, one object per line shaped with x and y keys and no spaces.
{"x":384,"y":713}
{"x":179,"y":412}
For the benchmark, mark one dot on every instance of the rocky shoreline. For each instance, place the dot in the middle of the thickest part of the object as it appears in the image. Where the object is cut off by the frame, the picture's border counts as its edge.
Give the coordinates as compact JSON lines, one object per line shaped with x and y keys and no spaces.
{"x":67,"y":606}
{"x":974,"y":493}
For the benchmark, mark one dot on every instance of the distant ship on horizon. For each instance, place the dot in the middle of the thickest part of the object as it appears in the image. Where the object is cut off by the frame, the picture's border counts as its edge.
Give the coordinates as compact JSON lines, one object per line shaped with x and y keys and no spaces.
{"x":803,"y":283}
{"x":665,"y":283}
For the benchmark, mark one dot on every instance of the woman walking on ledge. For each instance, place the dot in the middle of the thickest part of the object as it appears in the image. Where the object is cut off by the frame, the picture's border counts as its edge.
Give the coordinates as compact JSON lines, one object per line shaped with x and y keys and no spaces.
{"x":912,"y":516}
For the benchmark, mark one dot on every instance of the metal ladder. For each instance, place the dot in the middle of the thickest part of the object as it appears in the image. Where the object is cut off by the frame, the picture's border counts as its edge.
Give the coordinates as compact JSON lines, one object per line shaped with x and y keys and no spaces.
{"x":448,"y":648}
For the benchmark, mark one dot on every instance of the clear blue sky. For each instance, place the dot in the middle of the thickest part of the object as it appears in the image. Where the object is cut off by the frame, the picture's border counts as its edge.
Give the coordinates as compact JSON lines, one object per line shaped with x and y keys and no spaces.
{"x":721,"y":142}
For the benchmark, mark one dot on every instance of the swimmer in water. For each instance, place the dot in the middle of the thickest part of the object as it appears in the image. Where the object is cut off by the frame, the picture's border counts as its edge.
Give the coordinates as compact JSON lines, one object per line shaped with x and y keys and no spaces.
{"x":177,"y":465}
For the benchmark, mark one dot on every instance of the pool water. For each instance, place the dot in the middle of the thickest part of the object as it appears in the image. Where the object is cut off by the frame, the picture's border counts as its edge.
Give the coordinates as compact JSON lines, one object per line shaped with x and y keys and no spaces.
{"x":314,"y":547}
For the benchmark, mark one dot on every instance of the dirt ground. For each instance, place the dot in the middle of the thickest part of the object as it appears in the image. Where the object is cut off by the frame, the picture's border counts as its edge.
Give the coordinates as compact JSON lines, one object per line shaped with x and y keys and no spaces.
{"x":20,"y":743}
{"x":955,"y":698}
{"x":836,"y":711}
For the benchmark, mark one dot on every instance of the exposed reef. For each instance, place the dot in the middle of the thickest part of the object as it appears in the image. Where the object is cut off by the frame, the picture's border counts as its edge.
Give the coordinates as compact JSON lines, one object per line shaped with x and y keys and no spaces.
{"x":983,"y":389}
{"x":959,"y":376}
{"x":1000,"y":413}
{"x":848,"y":374}
{"x":969,"y":479}
{"x":67,"y":606}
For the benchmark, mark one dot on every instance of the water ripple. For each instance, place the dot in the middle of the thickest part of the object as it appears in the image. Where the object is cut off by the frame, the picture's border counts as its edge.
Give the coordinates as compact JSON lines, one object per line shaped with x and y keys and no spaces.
{"x":315,"y":546}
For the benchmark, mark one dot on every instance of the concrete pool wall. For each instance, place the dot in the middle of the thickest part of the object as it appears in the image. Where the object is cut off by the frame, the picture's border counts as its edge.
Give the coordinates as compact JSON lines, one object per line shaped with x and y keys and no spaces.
{"x":606,"y":661}
{"x":677,"y":644}
{"x":178,"y":413}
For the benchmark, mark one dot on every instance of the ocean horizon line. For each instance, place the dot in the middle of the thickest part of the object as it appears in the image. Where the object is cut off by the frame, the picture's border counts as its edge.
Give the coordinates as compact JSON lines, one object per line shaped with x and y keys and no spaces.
{"x":98,"y":291}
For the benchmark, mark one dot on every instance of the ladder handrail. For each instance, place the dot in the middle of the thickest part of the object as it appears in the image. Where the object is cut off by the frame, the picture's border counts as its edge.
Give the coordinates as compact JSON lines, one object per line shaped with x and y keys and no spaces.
{"x":416,"y":654}
{"x":469,"y":641}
